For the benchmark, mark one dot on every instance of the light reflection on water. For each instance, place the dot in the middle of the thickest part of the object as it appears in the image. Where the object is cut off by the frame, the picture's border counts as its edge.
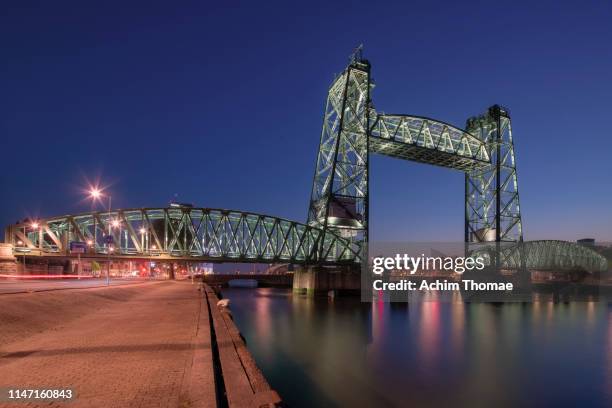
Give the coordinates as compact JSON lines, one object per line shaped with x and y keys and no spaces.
{"x":346,"y":353}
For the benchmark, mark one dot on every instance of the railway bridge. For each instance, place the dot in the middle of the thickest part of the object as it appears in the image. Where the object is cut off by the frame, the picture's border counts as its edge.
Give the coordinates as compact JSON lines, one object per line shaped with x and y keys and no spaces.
{"x":335,"y":234}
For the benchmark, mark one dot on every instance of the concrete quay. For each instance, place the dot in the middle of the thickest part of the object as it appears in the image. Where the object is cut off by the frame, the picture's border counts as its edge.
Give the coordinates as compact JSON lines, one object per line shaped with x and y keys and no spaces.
{"x":158,"y":344}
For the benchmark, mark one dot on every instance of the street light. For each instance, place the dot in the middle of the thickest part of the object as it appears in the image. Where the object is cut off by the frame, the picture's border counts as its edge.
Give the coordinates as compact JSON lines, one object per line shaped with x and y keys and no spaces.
{"x":112,"y":224}
{"x":95,"y":193}
{"x":142,"y":231}
{"x":20,"y":243}
{"x":33,"y":225}
{"x":153,"y":247}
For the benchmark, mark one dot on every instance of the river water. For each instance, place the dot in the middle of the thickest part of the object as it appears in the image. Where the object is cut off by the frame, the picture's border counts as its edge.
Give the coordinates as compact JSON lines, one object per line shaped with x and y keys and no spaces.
{"x":316,"y":352}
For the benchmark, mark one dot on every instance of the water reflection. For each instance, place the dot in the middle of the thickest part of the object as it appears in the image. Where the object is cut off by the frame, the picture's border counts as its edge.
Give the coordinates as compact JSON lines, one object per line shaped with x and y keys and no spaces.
{"x":346,"y":353}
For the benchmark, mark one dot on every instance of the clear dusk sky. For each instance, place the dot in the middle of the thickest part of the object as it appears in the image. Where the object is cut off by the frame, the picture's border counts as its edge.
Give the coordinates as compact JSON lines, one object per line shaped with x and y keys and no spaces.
{"x":222,"y":102}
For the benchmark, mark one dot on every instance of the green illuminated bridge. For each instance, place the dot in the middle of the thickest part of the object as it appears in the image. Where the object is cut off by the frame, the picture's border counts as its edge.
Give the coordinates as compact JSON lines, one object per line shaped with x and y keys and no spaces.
{"x":337,"y":227}
{"x":196,"y":234}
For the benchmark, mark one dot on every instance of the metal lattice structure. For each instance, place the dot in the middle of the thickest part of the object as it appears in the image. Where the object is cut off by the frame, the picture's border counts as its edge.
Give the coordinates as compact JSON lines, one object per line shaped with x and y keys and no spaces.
{"x":338,"y":220}
{"x":185,"y":233}
{"x":491,"y":193}
{"x":427,"y":141}
{"x":339,"y":198}
{"x":548,"y":255}
{"x":492,"y":208}
{"x":352,"y":129}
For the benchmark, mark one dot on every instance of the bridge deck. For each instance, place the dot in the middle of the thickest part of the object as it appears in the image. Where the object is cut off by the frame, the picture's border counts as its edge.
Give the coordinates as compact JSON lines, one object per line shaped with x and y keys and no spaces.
{"x":406,"y":151}
{"x":426,"y":140}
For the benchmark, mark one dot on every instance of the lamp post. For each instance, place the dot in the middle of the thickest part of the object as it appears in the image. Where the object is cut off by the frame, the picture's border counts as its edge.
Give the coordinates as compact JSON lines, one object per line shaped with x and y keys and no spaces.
{"x":95,"y":194}
{"x":89,"y":244}
{"x":111,"y":225}
{"x":143,"y":231}
{"x":151,"y":260}
{"x":34,"y":226}
{"x":20,"y":243}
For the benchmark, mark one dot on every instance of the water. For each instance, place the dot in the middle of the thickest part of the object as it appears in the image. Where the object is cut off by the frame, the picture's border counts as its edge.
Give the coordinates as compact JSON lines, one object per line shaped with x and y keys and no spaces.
{"x":346,"y":353}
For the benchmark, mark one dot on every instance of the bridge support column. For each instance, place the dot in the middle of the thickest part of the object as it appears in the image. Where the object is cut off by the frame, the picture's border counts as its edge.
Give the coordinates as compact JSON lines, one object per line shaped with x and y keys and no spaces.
{"x":8,"y":263}
{"x":171,"y":275}
{"x":319,"y":280}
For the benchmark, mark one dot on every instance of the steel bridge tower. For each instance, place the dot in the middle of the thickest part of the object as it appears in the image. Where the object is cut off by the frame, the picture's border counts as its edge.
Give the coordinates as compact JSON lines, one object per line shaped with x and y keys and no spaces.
{"x":352,"y":129}
{"x":492,"y":208}
{"x":340,"y":197}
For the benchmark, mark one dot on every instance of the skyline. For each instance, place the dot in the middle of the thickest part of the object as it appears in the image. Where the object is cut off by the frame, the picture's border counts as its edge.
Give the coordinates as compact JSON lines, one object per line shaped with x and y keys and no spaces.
{"x":145,"y":94}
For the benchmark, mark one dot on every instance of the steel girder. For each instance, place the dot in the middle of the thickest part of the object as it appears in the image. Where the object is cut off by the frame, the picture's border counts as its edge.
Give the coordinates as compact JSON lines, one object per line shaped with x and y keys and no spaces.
{"x":194,"y":233}
{"x":547,"y":255}
{"x":428,"y":141}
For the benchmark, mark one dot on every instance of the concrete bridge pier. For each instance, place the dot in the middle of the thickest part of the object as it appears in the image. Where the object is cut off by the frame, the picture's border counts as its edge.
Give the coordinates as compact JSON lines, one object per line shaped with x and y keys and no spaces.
{"x":320,"y":280}
{"x":8,"y":262}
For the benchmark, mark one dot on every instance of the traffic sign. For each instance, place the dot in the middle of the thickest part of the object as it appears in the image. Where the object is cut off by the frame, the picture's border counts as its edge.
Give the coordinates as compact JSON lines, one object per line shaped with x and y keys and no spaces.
{"x":77,"y":247}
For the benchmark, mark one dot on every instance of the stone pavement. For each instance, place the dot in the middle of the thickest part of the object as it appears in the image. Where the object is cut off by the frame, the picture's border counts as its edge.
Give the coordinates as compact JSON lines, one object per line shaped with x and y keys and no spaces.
{"x":11,"y":285}
{"x":132,"y":346}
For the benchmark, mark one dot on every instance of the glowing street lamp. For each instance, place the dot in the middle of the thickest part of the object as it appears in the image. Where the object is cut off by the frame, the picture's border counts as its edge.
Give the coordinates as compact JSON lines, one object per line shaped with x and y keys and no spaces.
{"x":153,"y":248}
{"x":95,"y":193}
{"x":142,"y":231}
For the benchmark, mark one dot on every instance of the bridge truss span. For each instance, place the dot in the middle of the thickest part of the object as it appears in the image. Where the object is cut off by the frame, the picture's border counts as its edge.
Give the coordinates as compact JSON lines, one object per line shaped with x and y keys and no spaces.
{"x":186,"y":233}
{"x":546,"y":255}
{"x":337,"y":227}
{"x":426,"y":140}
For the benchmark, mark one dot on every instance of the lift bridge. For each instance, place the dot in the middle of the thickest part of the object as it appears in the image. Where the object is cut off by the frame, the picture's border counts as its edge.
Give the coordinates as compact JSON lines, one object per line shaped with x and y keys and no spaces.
{"x":336,"y":230}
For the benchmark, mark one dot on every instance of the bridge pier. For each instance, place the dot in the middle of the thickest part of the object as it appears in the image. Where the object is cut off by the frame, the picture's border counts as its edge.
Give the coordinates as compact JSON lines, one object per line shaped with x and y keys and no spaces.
{"x":8,"y":262}
{"x":319,"y":280}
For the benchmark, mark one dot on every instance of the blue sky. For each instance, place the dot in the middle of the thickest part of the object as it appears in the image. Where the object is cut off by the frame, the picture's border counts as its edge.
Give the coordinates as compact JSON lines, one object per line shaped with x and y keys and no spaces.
{"x":223,"y":105}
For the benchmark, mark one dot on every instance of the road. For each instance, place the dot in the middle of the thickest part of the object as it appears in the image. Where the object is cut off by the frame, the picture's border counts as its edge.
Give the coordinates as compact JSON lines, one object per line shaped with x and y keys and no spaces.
{"x":123,"y":346}
{"x":20,"y":286}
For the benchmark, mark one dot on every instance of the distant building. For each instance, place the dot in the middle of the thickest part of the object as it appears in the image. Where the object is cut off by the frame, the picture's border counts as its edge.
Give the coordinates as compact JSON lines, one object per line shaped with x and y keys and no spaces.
{"x":586,"y":241}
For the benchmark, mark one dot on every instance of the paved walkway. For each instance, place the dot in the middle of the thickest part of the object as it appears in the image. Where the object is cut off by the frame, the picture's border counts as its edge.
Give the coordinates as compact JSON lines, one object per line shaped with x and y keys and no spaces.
{"x":37,"y":285}
{"x":133,"y":352}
